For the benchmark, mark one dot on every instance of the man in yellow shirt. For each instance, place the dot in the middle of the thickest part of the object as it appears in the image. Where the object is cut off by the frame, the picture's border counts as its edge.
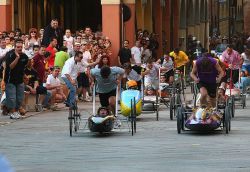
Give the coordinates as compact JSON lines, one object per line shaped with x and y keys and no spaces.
{"x":180,"y":58}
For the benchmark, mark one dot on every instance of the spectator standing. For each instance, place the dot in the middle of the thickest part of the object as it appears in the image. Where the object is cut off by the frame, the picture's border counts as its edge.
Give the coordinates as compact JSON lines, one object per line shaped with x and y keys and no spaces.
{"x":136,"y":52}
{"x":83,"y":79}
{"x":52,"y":49}
{"x":69,"y":40}
{"x":53,"y":31}
{"x":76,"y":48}
{"x":32,"y":40}
{"x":61,"y":57}
{"x":124,"y":55}
{"x":3,"y":49}
{"x":15,"y":65}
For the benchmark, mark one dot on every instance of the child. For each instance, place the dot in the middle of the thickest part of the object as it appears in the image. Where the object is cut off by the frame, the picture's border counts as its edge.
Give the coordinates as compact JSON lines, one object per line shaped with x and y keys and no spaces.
{"x":163,"y":86}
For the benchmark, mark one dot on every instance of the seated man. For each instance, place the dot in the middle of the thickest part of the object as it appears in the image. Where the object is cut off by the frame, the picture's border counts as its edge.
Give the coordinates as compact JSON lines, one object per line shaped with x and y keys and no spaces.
{"x":32,"y":84}
{"x":53,"y":85}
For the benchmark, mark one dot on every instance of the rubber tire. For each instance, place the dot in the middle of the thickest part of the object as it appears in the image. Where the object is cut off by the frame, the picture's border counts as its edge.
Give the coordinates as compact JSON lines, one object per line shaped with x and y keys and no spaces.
{"x":226,"y":120}
{"x":70,"y":122}
{"x":179,"y":120}
{"x":171,"y":108}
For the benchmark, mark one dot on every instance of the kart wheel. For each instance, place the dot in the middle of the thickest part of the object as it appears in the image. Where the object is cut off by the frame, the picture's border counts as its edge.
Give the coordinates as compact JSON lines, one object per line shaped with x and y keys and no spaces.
{"x":233,"y":107}
{"x":179,"y":120}
{"x":157,"y":107}
{"x":70,"y":118}
{"x":227,"y":120}
{"x":171,"y":108}
{"x":243,"y":101}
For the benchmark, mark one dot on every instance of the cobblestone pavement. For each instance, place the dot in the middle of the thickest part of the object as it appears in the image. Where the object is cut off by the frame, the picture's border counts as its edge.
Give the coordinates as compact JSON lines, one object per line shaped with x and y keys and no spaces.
{"x":41,"y":143}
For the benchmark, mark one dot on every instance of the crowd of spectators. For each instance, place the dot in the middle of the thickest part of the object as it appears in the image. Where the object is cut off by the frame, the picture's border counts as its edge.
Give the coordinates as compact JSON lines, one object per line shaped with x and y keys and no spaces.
{"x":31,"y":64}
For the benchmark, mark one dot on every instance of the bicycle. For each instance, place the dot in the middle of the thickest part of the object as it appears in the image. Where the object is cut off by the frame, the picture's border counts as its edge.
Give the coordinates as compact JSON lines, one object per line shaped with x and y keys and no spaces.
{"x":74,"y":119}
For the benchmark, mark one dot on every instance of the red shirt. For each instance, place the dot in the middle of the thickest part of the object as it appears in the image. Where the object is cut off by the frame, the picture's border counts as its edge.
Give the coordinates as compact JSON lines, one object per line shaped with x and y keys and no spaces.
{"x":39,"y":66}
{"x":51,"y":58}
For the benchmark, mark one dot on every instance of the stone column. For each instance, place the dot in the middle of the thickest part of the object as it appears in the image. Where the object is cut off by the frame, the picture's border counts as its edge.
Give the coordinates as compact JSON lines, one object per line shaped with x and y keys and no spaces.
{"x":5,"y":15}
{"x":129,"y":26}
{"x":111,"y":25}
{"x":158,"y":25}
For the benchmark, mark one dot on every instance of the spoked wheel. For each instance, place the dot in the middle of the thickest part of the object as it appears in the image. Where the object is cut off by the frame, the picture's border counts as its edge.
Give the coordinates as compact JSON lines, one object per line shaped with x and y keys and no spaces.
{"x":243,"y":101}
{"x":133,"y":116}
{"x":179,"y":120}
{"x":171,"y":107}
{"x":157,"y":107}
{"x":227,"y":125}
{"x":70,"y":118}
{"x":233,"y":106}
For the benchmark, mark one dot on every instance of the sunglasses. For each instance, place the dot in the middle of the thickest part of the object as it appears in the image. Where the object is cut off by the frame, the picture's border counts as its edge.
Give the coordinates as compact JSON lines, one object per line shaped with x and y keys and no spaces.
{"x":33,"y":32}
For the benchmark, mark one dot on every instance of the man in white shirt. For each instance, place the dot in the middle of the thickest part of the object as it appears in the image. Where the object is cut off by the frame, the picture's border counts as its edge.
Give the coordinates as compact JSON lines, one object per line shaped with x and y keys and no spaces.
{"x":70,"y":71}
{"x":53,"y":85}
{"x":136,"y":52}
{"x":151,"y":74}
{"x":3,"y":48}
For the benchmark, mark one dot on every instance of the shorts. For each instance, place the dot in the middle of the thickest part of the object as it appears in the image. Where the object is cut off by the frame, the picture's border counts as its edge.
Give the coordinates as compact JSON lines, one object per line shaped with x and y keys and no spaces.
{"x":211,"y":88}
{"x":168,"y":74}
{"x":83,"y":80}
{"x":235,"y":75}
{"x":104,"y":97}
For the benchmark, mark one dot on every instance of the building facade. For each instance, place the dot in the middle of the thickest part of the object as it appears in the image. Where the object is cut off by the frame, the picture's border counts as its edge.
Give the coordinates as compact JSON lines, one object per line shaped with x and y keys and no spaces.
{"x":172,"y":20}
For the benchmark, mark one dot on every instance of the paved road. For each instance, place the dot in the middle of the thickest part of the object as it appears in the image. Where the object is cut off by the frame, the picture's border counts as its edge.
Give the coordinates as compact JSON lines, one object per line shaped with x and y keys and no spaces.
{"x":41,"y":143}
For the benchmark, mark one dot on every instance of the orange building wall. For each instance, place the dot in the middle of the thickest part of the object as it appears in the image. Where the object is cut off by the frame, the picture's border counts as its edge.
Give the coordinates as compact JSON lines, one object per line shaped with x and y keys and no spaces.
{"x":111,"y":28}
{"x":130,"y":26}
{"x":6,"y":17}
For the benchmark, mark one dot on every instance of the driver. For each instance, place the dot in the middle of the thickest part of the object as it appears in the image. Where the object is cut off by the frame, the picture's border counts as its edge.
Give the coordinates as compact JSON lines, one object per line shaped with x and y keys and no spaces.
{"x":103,"y":112}
{"x":207,"y":73}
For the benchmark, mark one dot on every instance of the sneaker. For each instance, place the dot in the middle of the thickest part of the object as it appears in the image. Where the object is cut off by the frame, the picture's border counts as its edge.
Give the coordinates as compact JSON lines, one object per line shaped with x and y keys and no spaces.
{"x":22,"y":111}
{"x":87,"y":99}
{"x":117,"y":124}
{"x":15,"y":115}
{"x":53,"y":107}
{"x":80,"y":99}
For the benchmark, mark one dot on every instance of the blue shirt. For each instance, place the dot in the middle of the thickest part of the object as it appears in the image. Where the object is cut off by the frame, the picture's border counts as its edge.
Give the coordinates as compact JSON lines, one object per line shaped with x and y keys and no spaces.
{"x":106,"y":85}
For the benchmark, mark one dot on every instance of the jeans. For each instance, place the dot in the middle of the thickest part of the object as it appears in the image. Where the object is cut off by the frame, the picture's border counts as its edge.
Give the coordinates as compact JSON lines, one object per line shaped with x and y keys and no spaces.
{"x":71,"y":97}
{"x":14,"y":95}
{"x":45,"y":102}
{"x":245,"y":82}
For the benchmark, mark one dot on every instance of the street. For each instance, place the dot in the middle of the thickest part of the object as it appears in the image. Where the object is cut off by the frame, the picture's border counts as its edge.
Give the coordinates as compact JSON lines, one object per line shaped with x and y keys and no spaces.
{"x":42,"y":143}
